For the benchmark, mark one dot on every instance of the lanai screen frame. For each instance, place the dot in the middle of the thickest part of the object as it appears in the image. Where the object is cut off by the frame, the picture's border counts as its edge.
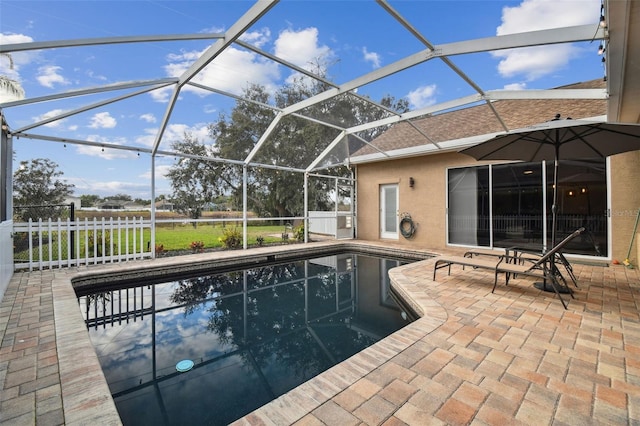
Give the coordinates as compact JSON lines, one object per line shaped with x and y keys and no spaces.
{"x":232,"y":36}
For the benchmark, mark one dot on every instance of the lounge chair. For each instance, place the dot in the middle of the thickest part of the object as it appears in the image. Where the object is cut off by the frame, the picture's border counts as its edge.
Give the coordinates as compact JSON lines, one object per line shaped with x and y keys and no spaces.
{"x":544,"y":267}
{"x":521,"y":256}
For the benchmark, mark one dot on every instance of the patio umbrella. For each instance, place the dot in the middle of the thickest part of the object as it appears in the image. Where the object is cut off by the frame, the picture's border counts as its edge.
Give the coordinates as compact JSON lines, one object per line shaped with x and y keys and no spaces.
{"x":557,"y":140}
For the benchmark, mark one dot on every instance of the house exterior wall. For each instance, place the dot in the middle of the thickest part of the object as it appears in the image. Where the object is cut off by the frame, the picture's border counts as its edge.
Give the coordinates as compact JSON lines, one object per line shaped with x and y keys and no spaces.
{"x":625,"y":202}
{"x":426,"y":201}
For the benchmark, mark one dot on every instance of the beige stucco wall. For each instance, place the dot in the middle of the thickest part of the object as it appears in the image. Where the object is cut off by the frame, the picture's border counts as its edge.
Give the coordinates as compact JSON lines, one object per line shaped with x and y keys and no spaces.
{"x":426,"y":200}
{"x":625,"y":202}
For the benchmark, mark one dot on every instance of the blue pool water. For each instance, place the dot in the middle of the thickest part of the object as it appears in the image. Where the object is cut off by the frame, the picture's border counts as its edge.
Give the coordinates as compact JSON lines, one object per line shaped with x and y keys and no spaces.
{"x":212,"y":348}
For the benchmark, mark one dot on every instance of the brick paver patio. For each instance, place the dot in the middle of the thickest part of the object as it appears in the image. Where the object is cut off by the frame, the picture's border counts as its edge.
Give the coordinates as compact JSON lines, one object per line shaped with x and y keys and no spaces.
{"x":511,"y":357}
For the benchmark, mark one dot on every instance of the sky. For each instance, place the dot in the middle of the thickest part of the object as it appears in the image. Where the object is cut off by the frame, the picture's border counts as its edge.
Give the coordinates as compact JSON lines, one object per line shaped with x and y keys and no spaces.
{"x":353,"y":37}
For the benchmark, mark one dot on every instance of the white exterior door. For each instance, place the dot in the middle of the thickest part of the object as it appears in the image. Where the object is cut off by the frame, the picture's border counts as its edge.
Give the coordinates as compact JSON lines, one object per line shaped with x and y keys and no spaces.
{"x":389,"y":211}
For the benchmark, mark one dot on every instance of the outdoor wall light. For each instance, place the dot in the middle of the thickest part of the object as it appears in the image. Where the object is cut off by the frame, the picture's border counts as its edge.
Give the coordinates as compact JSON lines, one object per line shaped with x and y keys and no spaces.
{"x":412,"y":182}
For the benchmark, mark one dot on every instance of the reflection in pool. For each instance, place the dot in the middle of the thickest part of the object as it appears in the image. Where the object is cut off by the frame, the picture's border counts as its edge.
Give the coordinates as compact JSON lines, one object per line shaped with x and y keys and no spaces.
{"x":252,"y":335}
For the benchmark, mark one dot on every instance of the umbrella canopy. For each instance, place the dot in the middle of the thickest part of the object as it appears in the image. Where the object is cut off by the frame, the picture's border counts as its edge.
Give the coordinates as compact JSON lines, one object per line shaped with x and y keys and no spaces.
{"x":559,"y":140}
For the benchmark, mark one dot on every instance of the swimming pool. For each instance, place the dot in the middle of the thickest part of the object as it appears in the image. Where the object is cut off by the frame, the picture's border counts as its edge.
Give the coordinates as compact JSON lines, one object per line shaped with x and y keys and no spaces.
{"x":251,"y":335}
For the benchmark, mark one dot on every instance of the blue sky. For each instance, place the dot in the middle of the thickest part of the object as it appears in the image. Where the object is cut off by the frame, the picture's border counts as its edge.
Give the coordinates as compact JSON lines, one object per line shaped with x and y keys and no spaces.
{"x":354,"y":37}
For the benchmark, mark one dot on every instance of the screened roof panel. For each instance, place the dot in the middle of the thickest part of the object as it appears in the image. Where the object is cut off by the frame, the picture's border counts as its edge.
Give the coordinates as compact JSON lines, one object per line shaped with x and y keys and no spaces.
{"x":347,"y":110}
{"x":294,"y":143}
{"x":291,"y":59}
{"x":336,"y":154}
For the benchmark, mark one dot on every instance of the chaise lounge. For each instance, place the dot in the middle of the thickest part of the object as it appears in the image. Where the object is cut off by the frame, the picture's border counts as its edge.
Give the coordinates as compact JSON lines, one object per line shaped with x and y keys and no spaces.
{"x":544,"y":267}
{"x":522,"y":256}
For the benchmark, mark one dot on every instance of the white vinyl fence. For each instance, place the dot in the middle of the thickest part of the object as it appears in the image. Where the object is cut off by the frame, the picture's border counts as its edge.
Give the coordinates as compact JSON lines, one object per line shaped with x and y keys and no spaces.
{"x":62,"y":243}
{"x":338,"y":225}
{"x":322,"y":222}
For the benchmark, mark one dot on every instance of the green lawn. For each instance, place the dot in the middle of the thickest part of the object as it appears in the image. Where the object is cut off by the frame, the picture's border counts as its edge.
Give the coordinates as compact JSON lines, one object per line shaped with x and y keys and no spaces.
{"x":170,"y":238}
{"x":180,"y":237}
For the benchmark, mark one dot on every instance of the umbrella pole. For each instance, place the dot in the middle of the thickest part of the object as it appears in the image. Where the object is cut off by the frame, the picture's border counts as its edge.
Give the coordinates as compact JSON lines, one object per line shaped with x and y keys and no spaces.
{"x":554,"y":207}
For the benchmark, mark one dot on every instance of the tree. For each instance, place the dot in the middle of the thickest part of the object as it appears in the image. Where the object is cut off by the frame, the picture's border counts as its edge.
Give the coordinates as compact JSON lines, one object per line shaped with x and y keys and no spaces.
{"x":141,"y":201}
{"x":121,"y":197}
{"x":295,"y":142}
{"x":193,"y":180}
{"x":11,"y":88}
{"x":89,"y":200}
{"x":37,"y":183}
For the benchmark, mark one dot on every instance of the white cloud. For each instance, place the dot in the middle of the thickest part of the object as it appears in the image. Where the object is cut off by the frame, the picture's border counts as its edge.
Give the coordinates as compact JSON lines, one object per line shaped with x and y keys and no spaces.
{"x":257,"y":38}
{"x":515,"y":86}
{"x":105,"y":152}
{"x":149,"y":118}
{"x":532,"y":15}
{"x":50,"y":114}
{"x":301,"y":47}
{"x":103,"y":120}
{"x":372,"y":57}
{"x":235,"y":68}
{"x":422,"y":96}
{"x":18,"y":58}
{"x":109,"y":188}
{"x":231,"y":71}
{"x":174,"y":132}
{"x":161,"y":172}
{"x":49,"y":76}
{"x":95,"y":76}
{"x":162,"y":94}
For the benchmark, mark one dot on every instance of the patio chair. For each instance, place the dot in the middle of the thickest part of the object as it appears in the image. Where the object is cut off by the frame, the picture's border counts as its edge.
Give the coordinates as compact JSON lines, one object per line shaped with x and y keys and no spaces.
{"x":543,"y":267}
{"x":522,"y":255}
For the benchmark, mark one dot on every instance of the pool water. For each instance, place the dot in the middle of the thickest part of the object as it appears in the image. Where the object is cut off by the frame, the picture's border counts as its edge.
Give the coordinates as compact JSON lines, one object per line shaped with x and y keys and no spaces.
{"x":246,"y":337}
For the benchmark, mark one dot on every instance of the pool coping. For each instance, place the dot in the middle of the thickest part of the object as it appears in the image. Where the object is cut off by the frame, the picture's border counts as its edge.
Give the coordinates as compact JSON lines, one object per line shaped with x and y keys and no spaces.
{"x":85,"y":392}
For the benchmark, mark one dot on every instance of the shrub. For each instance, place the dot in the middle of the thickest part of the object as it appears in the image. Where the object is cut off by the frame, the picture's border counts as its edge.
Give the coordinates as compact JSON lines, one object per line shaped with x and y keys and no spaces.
{"x":298,"y":232}
{"x":196,"y":246}
{"x":95,"y":242}
{"x":231,"y":238}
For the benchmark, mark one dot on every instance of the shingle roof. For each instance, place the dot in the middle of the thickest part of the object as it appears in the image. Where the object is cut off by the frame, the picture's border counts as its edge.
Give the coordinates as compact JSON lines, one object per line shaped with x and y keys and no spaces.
{"x":480,"y":120}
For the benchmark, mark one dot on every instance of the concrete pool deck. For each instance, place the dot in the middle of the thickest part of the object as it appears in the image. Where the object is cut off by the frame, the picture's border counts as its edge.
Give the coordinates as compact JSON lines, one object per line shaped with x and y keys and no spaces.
{"x":511,"y":357}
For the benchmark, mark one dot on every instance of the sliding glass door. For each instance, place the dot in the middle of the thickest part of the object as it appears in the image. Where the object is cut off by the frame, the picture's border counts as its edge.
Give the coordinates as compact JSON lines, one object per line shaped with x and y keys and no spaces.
{"x":582,"y":201}
{"x":517,"y":204}
{"x":509,"y":205}
{"x":468,"y":206}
